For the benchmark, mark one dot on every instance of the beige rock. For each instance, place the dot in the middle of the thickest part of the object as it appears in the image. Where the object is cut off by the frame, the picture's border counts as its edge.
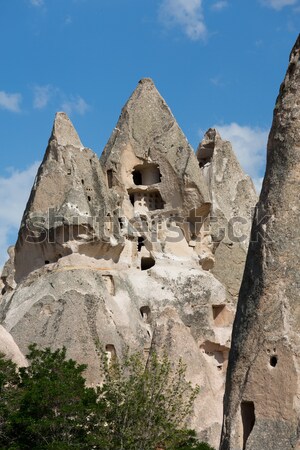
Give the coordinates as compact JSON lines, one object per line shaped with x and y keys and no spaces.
{"x":9,"y":348}
{"x":233,"y":201}
{"x":119,"y":252}
{"x":261,"y":406}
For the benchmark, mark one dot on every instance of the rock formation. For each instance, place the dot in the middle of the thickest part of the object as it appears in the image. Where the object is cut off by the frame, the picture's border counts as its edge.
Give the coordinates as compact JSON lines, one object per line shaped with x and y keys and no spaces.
{"x":261,"y":406}
{"x":9,"y":348}
{"x":120,"y":251}
{"x":233,"y":199}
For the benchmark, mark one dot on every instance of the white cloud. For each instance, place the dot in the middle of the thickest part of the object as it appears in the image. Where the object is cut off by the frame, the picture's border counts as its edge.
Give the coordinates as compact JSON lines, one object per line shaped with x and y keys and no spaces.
{"x":278,"y":4}
{"x":14,"y":193}
{"x":187,"y":14}
{"x":75,"y":104}
{"x":220,"y":5}
{"x":249,"y":144}
{"x":42,"y":95}
{"x":217,"y":81}
{"x":11,"y":102}
{"x":37,"y":2}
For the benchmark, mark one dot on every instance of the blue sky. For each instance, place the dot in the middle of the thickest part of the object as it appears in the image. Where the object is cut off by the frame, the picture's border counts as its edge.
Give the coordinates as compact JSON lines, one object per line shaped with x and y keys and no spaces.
{"x":216,"y":63}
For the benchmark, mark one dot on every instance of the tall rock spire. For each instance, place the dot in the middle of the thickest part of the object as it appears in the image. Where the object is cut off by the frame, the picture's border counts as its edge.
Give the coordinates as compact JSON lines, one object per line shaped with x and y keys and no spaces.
{"x":148,"y":132}
{"x":261,"y":404}
{"x":152,"y":167}
{"x":63,"y":131}
{"x":67,"y":205}
{"x":233,"y":199}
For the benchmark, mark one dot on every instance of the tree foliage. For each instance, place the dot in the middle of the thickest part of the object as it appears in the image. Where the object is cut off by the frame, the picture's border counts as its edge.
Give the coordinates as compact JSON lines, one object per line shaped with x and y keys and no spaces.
{"x":146,"y":407}
{"x":47,"y":405}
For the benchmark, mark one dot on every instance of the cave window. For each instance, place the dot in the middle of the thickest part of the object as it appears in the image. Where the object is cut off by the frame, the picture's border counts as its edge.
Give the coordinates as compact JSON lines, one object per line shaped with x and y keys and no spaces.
{"x":109,"y":174}
{"x":150,"y":201}
{"x":146,"y":174}
{"x":141,"y":243}
{"x":206,"y":155}
{"x":218,"y":352}
{"x":248,"y":420}
{"x":122,"y":222}
{"x":131,"y":196}
{"x":147,"y":262}
{"x":47,"y":262}
{"x":137,"y":177}
{"x":111,"y":353}
{"x":82,"y":181}
{"x":154,"y":201}
{"x":222,"y":316}
{"x":145,"y":313}
{"x":109,"y":284}
{"x":89,"y":198}
{"x":273,"y":361}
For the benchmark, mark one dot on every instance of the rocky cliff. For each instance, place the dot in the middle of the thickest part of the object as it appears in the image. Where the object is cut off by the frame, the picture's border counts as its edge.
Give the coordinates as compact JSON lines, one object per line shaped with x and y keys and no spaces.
{"x":121,"y":251}
{"x":261,"y":408}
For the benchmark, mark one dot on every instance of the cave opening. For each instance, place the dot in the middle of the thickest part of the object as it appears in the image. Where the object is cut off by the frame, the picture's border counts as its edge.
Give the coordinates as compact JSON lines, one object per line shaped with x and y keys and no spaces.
{"x":248,"y":420}
{"x":147,"y":262}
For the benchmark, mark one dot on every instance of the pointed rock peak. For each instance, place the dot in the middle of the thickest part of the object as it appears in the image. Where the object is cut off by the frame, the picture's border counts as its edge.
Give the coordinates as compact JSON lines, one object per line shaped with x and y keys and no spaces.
{"x":147,"y":81}
{"x":145,"y":96}
{"x":146,"y":86}
{"x":210,"y":137}
{"x":295,"y":53}
{"x":63,"y":131}
{"x":292,"y":79}
{"x":207,"y":145}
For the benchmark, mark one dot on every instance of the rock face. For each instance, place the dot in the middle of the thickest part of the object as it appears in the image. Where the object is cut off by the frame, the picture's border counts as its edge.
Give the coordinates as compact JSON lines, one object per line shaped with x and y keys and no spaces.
{"x":119,"y":251}
{"x":233,"y":198}
{"x":261,"y":406}
{"x":9,"y":348}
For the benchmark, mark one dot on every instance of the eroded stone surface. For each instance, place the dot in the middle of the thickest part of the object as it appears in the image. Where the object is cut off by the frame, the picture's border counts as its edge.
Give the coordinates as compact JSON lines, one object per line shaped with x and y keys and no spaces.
{"x":233,"y":200}
{"x":120,"y":252}
{"x":261,"y":408}
{"x":9,"y":348}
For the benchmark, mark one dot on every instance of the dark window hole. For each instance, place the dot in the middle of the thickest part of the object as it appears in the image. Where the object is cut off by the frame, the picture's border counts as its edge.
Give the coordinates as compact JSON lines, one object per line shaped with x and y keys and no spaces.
{"x":137,"y":177}
{"x":273,"y":361}
{"x":141,"y":243}
{"x":131,"y":196}
{"x":248,"y":420}
{"x":121,"y":221}
{"x":47,"y":262}
{"x":89,"y":198}
{"x":145,"y":313}
{"x":147,"y":263}
{"x":110,"y":178}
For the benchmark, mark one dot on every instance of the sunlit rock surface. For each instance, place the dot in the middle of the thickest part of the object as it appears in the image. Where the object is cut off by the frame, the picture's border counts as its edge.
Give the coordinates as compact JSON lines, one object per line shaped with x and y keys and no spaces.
{"x":120,"y":252}
{"x":262,"y":408}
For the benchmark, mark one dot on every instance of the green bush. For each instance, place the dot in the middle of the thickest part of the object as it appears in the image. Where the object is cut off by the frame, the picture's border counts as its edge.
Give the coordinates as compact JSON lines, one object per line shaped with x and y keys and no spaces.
{"x":47,"y":406}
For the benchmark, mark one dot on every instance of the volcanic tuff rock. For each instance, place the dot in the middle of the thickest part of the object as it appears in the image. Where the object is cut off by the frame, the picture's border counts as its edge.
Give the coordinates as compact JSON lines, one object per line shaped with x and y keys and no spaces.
{"x":262,"y":408}
{"x":233,"y":199}
{"x":120,"y":252}
{"x":9,"y":348}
